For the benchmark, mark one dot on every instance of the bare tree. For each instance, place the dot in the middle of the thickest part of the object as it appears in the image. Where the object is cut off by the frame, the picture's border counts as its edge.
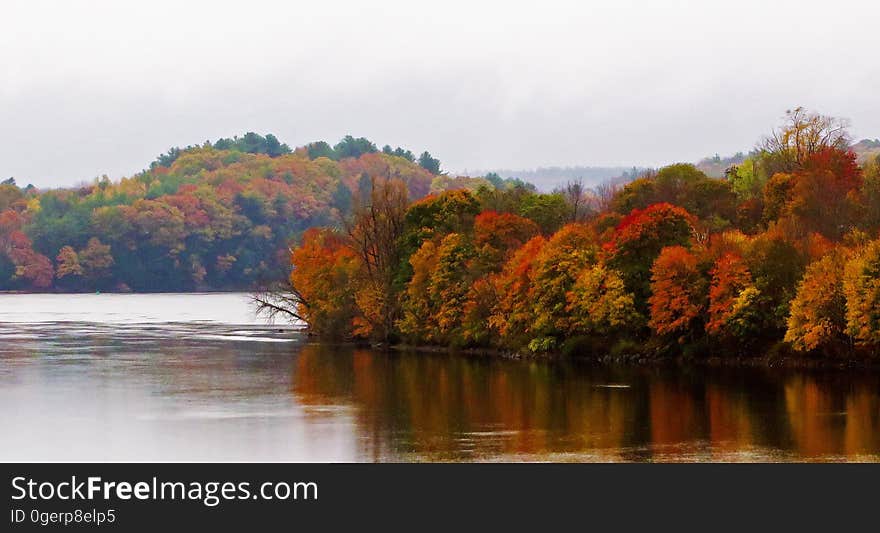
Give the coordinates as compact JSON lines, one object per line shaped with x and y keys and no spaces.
{"x":375,"y":229}
{"x":577,"y":196}
{"x":603,"y":195}
{"x":802,"y":134}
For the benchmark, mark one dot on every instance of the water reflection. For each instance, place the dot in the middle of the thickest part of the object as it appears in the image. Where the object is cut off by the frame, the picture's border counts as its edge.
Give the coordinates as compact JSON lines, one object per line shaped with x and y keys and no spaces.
{"x":417,"y":406}
{"x":211,"y":390}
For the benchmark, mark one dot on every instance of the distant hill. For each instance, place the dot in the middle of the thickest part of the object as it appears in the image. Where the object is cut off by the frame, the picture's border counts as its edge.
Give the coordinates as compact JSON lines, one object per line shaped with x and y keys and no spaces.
{"x":217,"y":216}
{"x":866,"y":149}
{"x":550,"y":178}
{"x":716,"y":166}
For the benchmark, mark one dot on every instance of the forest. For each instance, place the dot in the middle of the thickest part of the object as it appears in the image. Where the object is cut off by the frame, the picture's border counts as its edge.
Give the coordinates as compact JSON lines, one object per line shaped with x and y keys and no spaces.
{"x":219,"y":216}
{"x":779,"y":256}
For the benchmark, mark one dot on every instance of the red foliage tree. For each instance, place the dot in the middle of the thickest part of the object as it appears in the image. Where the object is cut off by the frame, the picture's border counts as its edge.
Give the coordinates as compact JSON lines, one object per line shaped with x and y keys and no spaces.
{"x":638,"y":239}
{"x":730,"y":277}
{"x":678,"y":296}
{"x":503,"y":231}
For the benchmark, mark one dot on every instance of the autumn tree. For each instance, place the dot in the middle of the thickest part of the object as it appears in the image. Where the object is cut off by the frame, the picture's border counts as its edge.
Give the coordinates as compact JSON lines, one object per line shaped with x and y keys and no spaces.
{"x":68,"y":265}
{"x":482,"y":300}
{"x":819,"y":309}
{"x":417,"y":303}
{"x":747,"y":179}
{"x":31,"y":268}
{"x":777,"y":266}
{"x":735,"y":311}
{"x":97,"y":261}
{"x":503,"y":231}
{"x":548,"y":211}
{"x":685,"y":186}
{"x":498,"y":235}
{"x":777,"y":195}
{"x":512,"y":318}
{"x":678,"y":293}
{"x":870,"y":196}
{"x":599,"y":304}
{"x":802,"y":134}
{"x":440,"y":287}
{"x":21,"y":264}
{"x":507,"y":197}
{"x":821,"y":196}
{"x":374,"y":231}
{"x":9,"y":195}
{"x":321,"y":291}
{"x":637,"y":242}
{"x":557,"y":267}
{"x":436,"y":215}
{"x":861,"y":287}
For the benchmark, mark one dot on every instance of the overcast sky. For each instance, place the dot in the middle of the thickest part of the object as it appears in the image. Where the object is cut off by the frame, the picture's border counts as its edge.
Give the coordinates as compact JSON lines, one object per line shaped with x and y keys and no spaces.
{"x":95,"y":87}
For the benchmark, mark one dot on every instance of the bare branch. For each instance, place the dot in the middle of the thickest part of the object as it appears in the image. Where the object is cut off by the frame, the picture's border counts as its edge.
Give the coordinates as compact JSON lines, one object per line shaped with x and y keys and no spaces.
{"x":279,"y":301}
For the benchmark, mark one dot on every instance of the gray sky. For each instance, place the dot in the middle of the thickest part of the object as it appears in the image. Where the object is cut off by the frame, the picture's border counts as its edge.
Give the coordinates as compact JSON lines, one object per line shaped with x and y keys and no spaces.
{"x":94,"y":87}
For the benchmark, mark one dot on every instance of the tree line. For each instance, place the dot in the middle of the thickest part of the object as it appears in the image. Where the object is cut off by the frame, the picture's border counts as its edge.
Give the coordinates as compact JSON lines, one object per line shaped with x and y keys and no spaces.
{"x":781,"y":254}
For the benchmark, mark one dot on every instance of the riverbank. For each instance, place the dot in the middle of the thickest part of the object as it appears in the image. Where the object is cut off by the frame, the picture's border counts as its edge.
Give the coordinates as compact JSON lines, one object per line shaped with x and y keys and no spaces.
{"x":786,"y":361}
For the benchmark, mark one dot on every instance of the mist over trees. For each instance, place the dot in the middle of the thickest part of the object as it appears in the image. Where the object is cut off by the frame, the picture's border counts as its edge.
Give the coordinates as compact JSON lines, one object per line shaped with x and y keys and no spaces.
{"x":550,"y":178}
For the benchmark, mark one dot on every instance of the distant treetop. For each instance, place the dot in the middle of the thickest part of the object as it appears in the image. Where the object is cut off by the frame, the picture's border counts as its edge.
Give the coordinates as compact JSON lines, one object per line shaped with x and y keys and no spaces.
{"x":251,"y":143}
{"x":354,"y":147}
{"x":254,"y":143}
{"x":348,"y":147}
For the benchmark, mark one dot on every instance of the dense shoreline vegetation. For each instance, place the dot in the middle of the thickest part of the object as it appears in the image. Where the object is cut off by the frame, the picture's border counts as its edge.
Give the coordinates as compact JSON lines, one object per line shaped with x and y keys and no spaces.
{"x":220,"y":216}
{"x":780,"y":255}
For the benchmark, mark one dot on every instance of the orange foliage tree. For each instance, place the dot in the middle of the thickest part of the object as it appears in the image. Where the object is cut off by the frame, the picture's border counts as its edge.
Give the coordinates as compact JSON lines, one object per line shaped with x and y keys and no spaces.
{"x":730,"y":278}
{"x":497,"y":235}
{"x":324,"y":271}
{"x":512,"y":316}
{"x":678,"y":292}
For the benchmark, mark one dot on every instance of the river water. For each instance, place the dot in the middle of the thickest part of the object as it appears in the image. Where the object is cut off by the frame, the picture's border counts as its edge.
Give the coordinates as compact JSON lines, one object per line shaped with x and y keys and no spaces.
{"x":196,"y":377}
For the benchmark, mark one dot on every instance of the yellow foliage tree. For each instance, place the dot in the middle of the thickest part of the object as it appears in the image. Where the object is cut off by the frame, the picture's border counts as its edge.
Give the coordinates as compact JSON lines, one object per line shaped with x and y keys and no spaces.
{"x":861,"y":286}
{"x":818,"y":311}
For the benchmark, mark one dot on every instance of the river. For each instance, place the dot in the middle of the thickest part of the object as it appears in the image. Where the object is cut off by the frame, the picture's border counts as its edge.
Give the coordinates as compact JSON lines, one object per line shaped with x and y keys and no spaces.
{"x":197,"y":377}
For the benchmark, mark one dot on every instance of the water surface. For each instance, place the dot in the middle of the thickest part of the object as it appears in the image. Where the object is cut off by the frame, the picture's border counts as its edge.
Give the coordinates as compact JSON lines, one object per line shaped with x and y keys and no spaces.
{"x":198,"y":377}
